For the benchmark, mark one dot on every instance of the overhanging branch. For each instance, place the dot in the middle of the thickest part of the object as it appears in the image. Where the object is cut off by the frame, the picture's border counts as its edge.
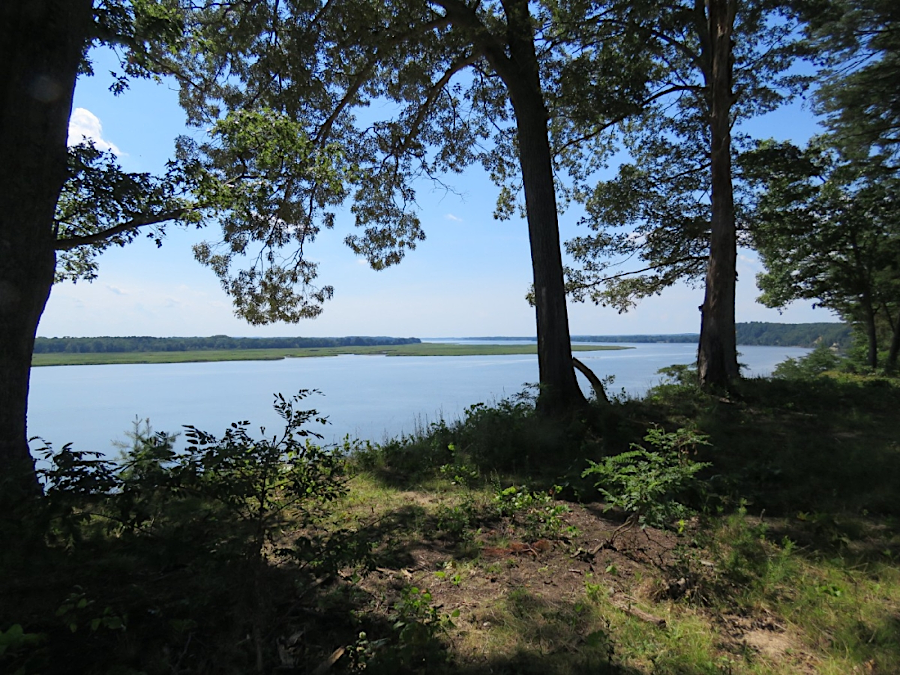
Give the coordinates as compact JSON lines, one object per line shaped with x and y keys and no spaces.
{"x":69,"y":243}
{"x":650,"y":268}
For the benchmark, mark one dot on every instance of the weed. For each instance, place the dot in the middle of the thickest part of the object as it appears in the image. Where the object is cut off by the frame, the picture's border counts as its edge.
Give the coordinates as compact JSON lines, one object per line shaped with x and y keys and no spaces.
{"x":541,"y":517}
{"x":417,"y":644}
{"x":647,"y":485}
{"x":459,"y":521}
{"x":458,"y":471}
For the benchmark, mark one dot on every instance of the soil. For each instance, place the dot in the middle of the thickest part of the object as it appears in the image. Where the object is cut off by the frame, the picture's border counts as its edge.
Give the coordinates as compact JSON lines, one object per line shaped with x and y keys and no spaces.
{"x":639,"y":572}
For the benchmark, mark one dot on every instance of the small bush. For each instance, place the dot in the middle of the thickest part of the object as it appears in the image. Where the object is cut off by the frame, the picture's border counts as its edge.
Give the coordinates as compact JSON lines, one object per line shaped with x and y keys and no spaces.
{"x":646,"y":484}
{"x":818,"y":361}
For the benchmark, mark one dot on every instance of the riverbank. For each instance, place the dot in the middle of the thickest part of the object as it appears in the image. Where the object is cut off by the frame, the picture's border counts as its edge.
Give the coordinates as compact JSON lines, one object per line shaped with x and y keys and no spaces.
{"x":422,"y":349}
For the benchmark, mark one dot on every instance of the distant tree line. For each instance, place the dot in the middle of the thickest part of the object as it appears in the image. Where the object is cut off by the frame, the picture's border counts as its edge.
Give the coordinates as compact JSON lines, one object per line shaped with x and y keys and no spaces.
{"x":753,"y":333}
{"x":794,"y":334}
{"x":94,"y":345}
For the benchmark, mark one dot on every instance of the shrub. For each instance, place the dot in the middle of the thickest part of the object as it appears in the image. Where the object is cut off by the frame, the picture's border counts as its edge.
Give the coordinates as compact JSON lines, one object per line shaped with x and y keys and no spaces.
{"x":646,"y":484}
{"x":204,"y":523}
{"x":818,"y":361}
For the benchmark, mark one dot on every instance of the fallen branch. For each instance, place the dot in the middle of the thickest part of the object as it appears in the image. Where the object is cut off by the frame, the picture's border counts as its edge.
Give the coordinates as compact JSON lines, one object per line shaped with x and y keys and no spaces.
{"x":628,"y":608}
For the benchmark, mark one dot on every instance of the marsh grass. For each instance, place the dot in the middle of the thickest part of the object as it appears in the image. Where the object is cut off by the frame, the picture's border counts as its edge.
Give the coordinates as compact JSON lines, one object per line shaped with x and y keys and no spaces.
{"x":194,"y":356}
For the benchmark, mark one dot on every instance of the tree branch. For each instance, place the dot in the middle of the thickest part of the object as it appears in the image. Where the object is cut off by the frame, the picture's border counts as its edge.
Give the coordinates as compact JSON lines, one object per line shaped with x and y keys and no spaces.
{"x":133,"y":224}
{"x":433,"y":93}
{"x":621,"y":118}
{"x":364,"y":74}
{"x":593,"y":284}
{"x":464,"y":17}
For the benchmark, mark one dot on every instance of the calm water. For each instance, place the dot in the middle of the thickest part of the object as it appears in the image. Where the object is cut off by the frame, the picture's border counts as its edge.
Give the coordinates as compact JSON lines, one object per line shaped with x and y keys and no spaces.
{"x":370,"y":397}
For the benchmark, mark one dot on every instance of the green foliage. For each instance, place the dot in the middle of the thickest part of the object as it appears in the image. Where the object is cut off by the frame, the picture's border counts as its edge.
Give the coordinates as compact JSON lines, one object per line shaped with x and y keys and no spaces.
{"x":458,"y":471}
{"x":270,"y":179}
{"x":506,"y":437}
{"x":221,"y":517}
{"x":107,"y":344}
{"x":77,"y":611}
{"x":681,"y":374}
{"x":419,"y":623}
{"x":648,"y":228}
{"x":820,"y":360}
{"x":747,"y":564}
{"x":459,"y":521}
{"x":826,"y":228}
{"x":17,"y":649}
{"x":541,"y":517}
{"x":793,"y":334}
{"x":254,"y":485}
{"x":648,"y":485}
{"x":857,"y":44}
{"x":416,"y":644}
{"x":101,"y":206}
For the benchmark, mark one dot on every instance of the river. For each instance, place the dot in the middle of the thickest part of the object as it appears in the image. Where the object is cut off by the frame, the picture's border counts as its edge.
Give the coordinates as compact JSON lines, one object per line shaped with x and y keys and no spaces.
{"x":369,"y":397}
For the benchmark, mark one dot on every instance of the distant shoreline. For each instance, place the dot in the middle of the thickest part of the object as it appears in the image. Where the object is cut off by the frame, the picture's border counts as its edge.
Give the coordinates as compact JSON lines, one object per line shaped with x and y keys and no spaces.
{"x":205,"y":356}
{"x":748,"y":334}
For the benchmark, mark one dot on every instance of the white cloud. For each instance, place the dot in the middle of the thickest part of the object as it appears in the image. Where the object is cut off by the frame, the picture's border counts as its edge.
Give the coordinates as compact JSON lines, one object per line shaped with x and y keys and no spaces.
{"x":86,"y":125}
{"x":455,"y":219}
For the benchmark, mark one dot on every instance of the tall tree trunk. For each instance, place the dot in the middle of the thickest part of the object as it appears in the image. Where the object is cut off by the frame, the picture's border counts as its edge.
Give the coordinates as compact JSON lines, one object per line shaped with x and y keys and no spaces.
{"x":717,"y":353}
{"x":559,"y":387}
{"x":41,"y":45}
{"x":894,"y":351}
{"x":894,"y":347}
{"x":871,"y":338}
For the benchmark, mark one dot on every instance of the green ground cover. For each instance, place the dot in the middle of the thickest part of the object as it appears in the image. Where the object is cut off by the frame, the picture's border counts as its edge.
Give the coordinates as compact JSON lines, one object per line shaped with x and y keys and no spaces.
{"x":423,"y":349}
{"x":754,"y":533}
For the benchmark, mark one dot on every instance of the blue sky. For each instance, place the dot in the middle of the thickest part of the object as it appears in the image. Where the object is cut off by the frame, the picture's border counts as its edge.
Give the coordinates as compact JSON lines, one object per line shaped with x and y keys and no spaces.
{"x":468,"y":278}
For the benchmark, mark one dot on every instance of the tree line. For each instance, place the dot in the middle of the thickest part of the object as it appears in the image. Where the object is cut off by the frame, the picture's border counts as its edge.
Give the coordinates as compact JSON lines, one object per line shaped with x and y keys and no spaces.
{"x":538,"y":93}
{"x":761,"y":333}
{"x":753,"y":333}
{"x":105,"y":344}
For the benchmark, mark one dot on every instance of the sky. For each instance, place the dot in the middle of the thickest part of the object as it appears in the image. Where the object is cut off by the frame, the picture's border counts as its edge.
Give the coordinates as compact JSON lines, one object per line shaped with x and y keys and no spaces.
{"x":468,"y":278}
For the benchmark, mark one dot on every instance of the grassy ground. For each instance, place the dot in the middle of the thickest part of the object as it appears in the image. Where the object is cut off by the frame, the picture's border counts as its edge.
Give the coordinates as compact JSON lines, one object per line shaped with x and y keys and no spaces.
{"x":423,"y":349}
{"x":478,"y":548}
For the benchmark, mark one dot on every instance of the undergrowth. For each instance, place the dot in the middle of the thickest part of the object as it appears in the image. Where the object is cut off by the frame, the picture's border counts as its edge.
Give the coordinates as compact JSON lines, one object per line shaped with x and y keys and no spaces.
{"x":765,"y":540}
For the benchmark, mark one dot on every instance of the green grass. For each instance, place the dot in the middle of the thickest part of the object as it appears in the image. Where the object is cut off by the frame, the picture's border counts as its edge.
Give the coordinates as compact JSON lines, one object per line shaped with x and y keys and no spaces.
{"x":423,"y":349}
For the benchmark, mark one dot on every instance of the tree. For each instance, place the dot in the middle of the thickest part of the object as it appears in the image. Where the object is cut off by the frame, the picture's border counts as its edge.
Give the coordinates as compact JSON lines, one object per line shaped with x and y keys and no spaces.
{"x":846,"y":179}
{"x":858,"y":43}
{"x":673,"y":206}
{"x":827,"y":229}
{"x":43,"y":44}
{"x":266,"y":174}
{"x":461,"y":82}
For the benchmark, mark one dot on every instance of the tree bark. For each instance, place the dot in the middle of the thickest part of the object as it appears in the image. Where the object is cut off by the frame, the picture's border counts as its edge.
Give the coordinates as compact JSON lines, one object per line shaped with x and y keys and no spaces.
{"x":596,"y":384}
{"x":871,"y":337}
{"x":559,"y":387}
{"x":41,"y":46}
{"x":894,"y":351}
{"x":717,"y":353}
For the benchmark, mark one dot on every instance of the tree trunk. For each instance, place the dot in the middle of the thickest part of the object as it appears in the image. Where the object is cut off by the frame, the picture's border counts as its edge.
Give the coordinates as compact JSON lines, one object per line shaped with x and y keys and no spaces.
{"x":41,"y":45}
{"x":717,"y":353}
{"x":894,"y":351}
{"x":559,"y":387}
{"x":871,"y":338}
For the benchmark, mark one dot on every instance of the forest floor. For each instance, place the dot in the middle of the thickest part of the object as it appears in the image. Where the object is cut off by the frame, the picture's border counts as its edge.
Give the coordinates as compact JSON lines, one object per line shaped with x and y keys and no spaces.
{"x":551,"y":589}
